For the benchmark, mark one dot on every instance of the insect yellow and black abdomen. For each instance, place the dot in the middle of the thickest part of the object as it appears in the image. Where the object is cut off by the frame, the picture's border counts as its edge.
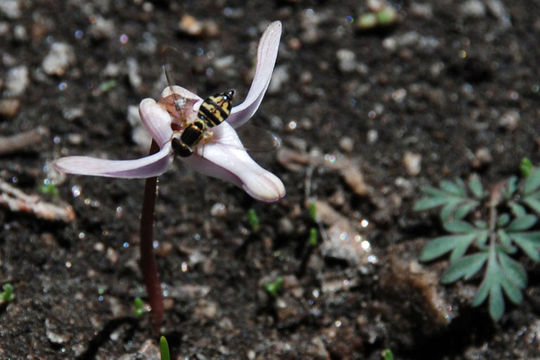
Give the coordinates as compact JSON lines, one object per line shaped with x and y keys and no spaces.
{"x":213,"y":111}
{"x":216,"y":108}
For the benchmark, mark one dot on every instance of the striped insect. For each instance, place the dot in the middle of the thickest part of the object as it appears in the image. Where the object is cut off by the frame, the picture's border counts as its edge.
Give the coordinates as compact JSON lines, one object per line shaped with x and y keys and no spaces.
{"x":213,"y":111}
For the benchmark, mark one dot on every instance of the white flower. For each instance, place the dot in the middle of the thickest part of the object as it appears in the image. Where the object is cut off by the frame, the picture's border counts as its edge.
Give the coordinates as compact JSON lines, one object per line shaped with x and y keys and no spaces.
{"x":222,"y":156}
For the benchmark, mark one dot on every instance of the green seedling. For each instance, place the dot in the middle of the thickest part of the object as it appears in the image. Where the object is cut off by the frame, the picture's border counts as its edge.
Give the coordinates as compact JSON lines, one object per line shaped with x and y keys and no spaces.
{"x":487,"y":230}
{"x":107,"y":86}
{"x":386,"y":16}
{"x":313,"y":236}
{"x":273,"y":287}
{"x":387,"y":354}
{"x":367,"y":21}
{"x":525,"y":167}
{"x":313,"y":211}
{"x":48,"y":187}
{"x":7,"y":295}
{"x":139,"y":307}
{"x":164,"y":348}
{"x":253,"y":220}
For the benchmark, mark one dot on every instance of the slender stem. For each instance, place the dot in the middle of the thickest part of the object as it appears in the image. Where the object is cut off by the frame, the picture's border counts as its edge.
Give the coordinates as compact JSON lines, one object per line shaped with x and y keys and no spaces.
{"x":148,"y":260}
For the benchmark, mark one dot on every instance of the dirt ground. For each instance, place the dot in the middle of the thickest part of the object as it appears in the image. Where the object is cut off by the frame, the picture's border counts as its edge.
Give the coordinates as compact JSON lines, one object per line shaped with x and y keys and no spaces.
{"x":367,"y":117}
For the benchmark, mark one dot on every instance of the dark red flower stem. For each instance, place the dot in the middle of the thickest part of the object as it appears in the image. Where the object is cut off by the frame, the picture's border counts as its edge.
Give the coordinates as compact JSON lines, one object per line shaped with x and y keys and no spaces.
{"x":148,"y":260}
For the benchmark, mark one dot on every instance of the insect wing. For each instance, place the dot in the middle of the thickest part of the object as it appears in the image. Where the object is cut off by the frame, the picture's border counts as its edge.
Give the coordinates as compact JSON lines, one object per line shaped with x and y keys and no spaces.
{"x":256,"y":139}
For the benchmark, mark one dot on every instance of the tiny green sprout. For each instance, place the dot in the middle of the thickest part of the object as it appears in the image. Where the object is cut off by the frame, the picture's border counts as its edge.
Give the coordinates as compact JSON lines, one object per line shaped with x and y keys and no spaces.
{"x":164,"y":348}
{"x":525,"y":167}
{"x":7,"y":295}
{"x":139,"y":307}
{"x":107,"y":86}
{"x":273,"y":287}
{"x":387,"y":354}
{"x":386,"y":16}
{"x":253,"y":220}
{"x":367,"y":21}
{"x":313,"y":211}
{"x":313,"y":235}
{"x":48,"y":187}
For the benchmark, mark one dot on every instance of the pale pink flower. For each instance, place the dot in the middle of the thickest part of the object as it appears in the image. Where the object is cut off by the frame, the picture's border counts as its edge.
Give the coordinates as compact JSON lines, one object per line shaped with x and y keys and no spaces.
{"x":222,"y":156}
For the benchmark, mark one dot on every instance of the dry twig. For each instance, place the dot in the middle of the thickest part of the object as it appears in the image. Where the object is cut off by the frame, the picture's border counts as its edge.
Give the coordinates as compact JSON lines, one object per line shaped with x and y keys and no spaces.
{"x":16,"y":200}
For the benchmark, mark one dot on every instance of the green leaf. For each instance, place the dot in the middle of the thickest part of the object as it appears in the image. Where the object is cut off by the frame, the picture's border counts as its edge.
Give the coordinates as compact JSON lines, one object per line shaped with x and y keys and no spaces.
{"x":454,"y":188}
{"x":505,"y":240}
{"x":533,"y":202}
{"x":517,"y":209}
{"x":522,"y":223}
{"x":482,"y":238}
{"x":496,"y":302}
{"x":464,"y":209}
{"x":529,"y":242}
{"x":164,"y":349}
{"x":434,"y":192}
{"x":429,"y":203}
{"x":532,"y":183}
{"x":458,"y":226}
{"x":503,"y":220}
{"x":447,"y":210}
{"x":465,"y":267}
{"x":476,"y":187}
{"x":525,"y":167}
{"x":513,"y":270}
{"x":482,"y":292}
{"x":511,"y":291}
{"x":481,"y":224}
{"x":442,"y":245}
{"x":462,"y":244}
{"x":510,"y":188}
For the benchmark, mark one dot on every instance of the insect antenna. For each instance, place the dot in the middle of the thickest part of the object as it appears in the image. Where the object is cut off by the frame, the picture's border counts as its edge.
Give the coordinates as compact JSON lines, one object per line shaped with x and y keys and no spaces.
{"x":179,"y":102}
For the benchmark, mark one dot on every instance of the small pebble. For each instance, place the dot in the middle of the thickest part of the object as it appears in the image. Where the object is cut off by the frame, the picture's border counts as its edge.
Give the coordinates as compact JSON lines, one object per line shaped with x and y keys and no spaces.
{"x":191,"y":26}
{"x":218,"y":210}
{"x":54,"y":335}
{"x":346,"y":60}
{"x":134,"y":77}
{"x":346,"y":144}
{"x":10,"y":8}
{"x":510,"y":120}
{"x":102,"y":29}
{"x":473,"y":9}
{"x":59,"y":58}
{"x":412,"y":162}
{"x":482,"y":156}
{"x":9,"y":107}
{"x":17,"y":81}
{"x":372,"y":136}
{"x":279,"y":78}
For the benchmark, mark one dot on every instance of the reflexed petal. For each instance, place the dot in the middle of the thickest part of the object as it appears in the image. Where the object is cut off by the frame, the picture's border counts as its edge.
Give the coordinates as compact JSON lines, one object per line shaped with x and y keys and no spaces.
{"x":266,"y":59}
{"x":156,"y":120}
{"x":149,"y":166}
{"x":175,"y":89}
{"x":224,"y":157}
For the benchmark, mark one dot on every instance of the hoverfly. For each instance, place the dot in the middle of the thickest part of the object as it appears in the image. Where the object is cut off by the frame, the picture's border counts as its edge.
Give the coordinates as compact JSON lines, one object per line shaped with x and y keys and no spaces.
{"x":214,"y":110}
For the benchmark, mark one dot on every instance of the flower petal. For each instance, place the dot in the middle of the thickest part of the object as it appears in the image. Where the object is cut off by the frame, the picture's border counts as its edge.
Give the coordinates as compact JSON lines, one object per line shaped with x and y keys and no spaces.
{"x":266,"y":59}
{"x":178,"y":90}
{"x":156,"y":120}
{"x":225,"y":158}
{"x":149,"y":166}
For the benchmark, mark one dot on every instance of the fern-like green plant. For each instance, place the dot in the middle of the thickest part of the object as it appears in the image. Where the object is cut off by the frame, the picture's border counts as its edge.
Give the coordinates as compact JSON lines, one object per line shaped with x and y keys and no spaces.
{"x":487,"y":228}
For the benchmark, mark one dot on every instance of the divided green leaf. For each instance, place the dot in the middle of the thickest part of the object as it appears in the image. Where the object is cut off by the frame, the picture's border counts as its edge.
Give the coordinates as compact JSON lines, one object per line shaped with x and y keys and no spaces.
{"x":490,"y":242}
{"x":452,"y":197}
{"x":532,"y":183}
{"x":476,"y":187}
